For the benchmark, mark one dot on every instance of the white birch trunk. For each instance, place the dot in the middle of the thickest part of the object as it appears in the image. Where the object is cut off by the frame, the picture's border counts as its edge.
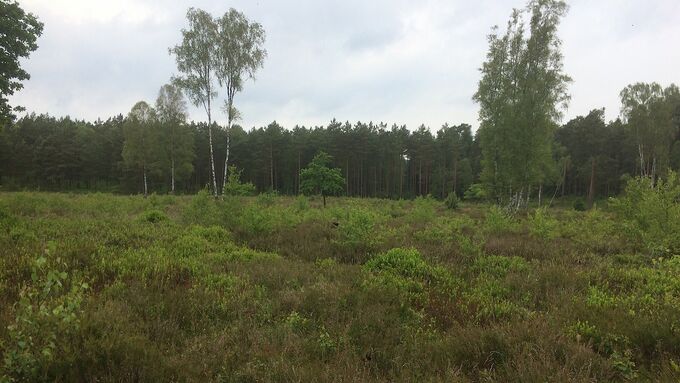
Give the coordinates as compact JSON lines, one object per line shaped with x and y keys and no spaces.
{"x":212,"y":156}
{"x":146,"y":190}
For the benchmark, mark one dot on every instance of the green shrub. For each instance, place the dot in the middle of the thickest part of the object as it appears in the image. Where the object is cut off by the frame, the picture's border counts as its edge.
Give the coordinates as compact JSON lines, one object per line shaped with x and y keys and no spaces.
{"x":46,"y":320}
{"x":451,"y":201}
{"x":301,"y":203}
{"x":580,"y":204}
{"x":153,"y":216}
{"x":201,"y":210}
{"x":234,"y":186}
{"x":475,"y":192}
{"x":403,"y":262}
{"x":498,"y":220}
{"x":542,"y":224}
{"x":358,"y":234}
{"x":423,"y":210}
{"x":267,"y":199}
{"x":650,"y":214}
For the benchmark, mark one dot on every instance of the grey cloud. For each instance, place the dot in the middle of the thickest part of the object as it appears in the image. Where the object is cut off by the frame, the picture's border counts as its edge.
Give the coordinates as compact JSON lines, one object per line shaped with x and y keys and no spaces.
{"x":393,"y":61}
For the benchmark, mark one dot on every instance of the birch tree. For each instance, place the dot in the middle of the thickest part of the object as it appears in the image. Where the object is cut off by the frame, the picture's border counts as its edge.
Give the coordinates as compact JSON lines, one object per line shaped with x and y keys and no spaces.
{"x":649,"y":110}
{"x":521,"y":95}
{"x":139,"y":151}
{"x":240,"y":53}
{"x":197,"y":59}
{"x":178,"y":141}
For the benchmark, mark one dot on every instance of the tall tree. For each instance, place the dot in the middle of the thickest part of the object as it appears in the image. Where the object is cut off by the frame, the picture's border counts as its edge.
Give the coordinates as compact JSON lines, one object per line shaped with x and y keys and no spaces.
{"x":19,"y":32}
{"x":196,"y":59}
{"x":240,"y":53}
{"x":650,"y":111}
{"x":521,"y":94}
{"x":139,"y":149}
{"x":178,"y":141}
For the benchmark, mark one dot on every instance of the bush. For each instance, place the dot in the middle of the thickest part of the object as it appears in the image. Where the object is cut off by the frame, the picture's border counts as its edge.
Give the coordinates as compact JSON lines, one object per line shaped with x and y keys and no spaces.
{"x":46,"y":318}
{"x":267,"y":199}
{"x":475,"y":192}
{"x":580,"y":204}
{"x":651,"y":214}
{"x":542,"y":225}
{"x":451,"y":201}
{"x":201,"y":210}
{"x":153,"y":216}
{"x":358,"y":234}
{"x":498,"y":220}
{"x":234,"y":186}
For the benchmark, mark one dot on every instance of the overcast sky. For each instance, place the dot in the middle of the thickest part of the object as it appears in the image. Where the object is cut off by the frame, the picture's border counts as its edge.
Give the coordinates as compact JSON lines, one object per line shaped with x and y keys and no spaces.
{"x":395,"y":61}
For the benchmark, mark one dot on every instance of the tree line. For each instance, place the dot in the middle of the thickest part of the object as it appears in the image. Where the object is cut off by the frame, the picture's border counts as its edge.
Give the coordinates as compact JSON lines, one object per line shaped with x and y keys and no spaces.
{"x":520,"y":151}
{"x":376,"y":160}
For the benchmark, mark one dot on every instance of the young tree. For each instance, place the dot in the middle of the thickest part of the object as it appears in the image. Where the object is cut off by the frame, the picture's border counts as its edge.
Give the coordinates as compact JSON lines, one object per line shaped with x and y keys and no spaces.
{"x":139,"y":148}
{"x":521,"y":94}
{"x":196,"y":58}
{"x":319,"y":178}
{"x":18,"y":34}
{"x":240,"y":54}
{"x":178,"y":141}
{"x":235,"y":187}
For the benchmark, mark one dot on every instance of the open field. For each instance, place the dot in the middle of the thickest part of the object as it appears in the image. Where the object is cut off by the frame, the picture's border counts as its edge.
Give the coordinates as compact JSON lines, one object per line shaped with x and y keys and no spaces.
{"x":110,"y":288}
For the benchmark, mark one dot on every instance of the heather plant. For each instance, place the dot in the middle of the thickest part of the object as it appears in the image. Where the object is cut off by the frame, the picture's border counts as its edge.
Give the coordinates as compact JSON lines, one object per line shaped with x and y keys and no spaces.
{"x":219,"y":286}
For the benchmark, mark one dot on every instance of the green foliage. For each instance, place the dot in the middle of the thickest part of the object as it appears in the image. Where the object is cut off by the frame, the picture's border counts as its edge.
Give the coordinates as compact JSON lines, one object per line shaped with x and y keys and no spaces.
{"x":543,"y":225}
{"x":358,"y":233}
{"x":651,"y":214}
{"x":267,"y":199}
{"x":214,"y":294}
{"x":153,"y":216}
{"x":423,"y":210}
{"x":46,"y":319}
{"x":498,"y":220}
{"x":451,"y":201}
{"x":202,"y":209}
{"x":475,"y":192}
{"x":235,"y":187}
{"x":318,"y":178}
{"x":580,"y":204}
{"x":20,"y":32}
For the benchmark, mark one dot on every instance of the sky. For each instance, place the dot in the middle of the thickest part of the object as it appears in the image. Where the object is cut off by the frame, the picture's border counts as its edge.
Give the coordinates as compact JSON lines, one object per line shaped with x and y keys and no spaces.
{"x":392,"y":61}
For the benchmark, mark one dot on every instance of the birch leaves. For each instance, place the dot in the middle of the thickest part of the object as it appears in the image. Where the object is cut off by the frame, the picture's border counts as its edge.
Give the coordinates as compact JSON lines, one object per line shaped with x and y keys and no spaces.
{"x":229,"y":49}
{"x":521,"y":94}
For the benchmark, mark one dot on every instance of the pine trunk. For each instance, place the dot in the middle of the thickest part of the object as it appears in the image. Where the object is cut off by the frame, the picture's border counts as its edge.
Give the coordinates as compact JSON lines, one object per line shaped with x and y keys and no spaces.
{"x":591,"y":189}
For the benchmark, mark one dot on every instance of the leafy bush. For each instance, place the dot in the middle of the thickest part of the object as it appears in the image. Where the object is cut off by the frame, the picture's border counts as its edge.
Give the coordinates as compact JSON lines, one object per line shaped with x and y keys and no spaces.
{"x":358,"y":234}
{"x":651,"y":214}
{"x":580,"y":204}
{"x":423,"y":210}
{"x":267,"y":199}
{"x":498,"y":220}
{"x":542,"y":224}
{"x":451,"y":201}
{"x":153,"y":216}
{"x":475,"y":192}
{"x":201,"y":210}
{"x":46,"y":319}
{"x":234,"y":186}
